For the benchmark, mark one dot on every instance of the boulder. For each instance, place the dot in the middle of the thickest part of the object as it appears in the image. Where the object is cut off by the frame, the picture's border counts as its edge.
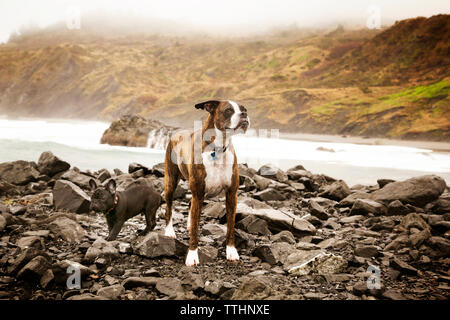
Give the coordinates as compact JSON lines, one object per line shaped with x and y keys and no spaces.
{"x":50,"y":165}
{"x":68,"y":196}
{"x":269,"y":194}
{"x":111,"y":292}
{"x":155,"y":245}
{"x":253,"y":288}
{"x":34,"y":269}
{"x":133,"y":167}
{"x":396,"y":207}
{"x":215,"y":210}
{"x":80,"y":179}
{"x":68,"y":229}
{"x":415,"y":191}
{"x":365,"y":207}
{"x":254,"y":225}
{"x":350,"y":199}
{"x":136,"y":282}
{"x":317,"y":210}
{"x":22,"y":259}
{"x":272,"y":172}
{"x":315,"y":262}
{"x":169,"y":286}
{"x":337,"y":191}
{"x":366,"y":251}
{"x":18,"y":172}
{"x":7,"y":188}
{"x":283,"y":236}
{"x":102,"y":249}
{"x":276,"y":219}
{"x":103,"y":175}
{"x":275,"y":253}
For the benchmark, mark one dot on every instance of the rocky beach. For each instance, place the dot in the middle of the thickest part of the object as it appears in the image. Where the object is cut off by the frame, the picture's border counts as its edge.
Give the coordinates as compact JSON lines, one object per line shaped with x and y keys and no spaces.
{"x":299,"y":235}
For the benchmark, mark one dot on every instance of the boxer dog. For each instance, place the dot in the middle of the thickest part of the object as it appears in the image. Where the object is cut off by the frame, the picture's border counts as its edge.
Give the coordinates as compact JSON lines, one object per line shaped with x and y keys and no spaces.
{"x":205,"y":158}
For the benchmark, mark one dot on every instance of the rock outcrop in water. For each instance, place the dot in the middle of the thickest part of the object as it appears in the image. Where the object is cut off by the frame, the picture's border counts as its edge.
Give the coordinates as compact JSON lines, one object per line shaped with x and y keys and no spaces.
{"x":137,"y":131}
{"x":300,"y":236}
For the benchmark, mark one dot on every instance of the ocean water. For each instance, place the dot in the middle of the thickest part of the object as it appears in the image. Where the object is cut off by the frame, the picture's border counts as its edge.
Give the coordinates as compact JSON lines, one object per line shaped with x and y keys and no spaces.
{"x":78,"y":142}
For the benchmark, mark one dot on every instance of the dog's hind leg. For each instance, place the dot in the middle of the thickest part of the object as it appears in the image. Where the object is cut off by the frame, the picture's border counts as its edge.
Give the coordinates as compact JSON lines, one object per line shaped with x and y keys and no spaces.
{"x":171,"y":179}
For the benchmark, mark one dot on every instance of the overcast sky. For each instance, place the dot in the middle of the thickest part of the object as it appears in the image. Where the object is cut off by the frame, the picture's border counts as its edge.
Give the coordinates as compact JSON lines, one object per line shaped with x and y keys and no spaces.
{"x":219,"y":15}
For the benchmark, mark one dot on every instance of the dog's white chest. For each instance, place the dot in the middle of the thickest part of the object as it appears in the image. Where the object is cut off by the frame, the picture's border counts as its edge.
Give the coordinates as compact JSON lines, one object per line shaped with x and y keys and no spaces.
{"x":219,"y":171}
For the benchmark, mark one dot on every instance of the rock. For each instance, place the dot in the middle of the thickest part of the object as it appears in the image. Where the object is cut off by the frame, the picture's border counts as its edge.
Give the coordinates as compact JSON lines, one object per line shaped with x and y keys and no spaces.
{"x":396,"y":207}
{"x":336,"y":191}
{"x":215,"y":210}
{"x":68,"y":196}
{"x":393,"y":295}
{"x":155,"y":245}
{"x":352,"y":219}
{"x":159,"y":169}
{"x":102,"y":249}
{"x":207,"y":254}
{"x":218,"y":287}
{"x":17,"y":210}
{"x":276,"y":220}
{"x":47,"y":278}
{"x":272,"y":172}
{"x":418,"y":238}
{"x":314,"y":295}
{"x":415,"y":191}
{"x":80,"y":179}
{"x":254,"y":225}
{"x":2,"y":223}
{"x":383,"y":182}
{"x":135,"y":282}
{"x":111,"y":292}
{"x":30,"y":241}
{"x":365,"y":207}
{"x":213,"y":229}
{"x":50,"y":165}
{"x":269,"y":194}
{"x":191,"y":281}
{"x":134,"y":131}
{"x":402,"y":266}
{"x":317,"y":210}
{"x":248,"y":183}
{"x":103,"y":175}
{"x":366,"y":251}
{"x":169,"y":286}
{"x":34,"y":269}
{"x":440,"y":206}
{"x":315,"y":262}
{"x":22,"y":259}
{"x":253,"y":288}
{"x":18,"y":172}
{"x":133,"y":167}
{"x":61,"y":270}
{"x":67,"y":229}
{"x":275,"y":253}
{"x":7,"y":188}
{"x":413,"y":220}
{"x":440,"y":244}
{"x":86,"y":297}
{"x":283,"y":236}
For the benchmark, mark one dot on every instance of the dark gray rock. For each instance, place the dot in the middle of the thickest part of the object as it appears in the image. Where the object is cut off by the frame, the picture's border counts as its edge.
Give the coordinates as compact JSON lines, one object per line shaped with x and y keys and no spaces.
{"x":169,"y":286}
{"x":49,"y":164}
{"x":275,"y":253}
{"x":103,"y":175}
{"x":366,"y":251}
{"x":402,"y":266}
{"x":111,"y":292}
{"x":396,"y":207}
{"x":78,"y":178}
{"x":102,"y":249}
{"x":215,"y":210}
{"x":350,"y":200}
{"x":136,"y":282}
{"x":155,"y":245}
{"x":383,"y":182}
{"x":133,"y":167}
{"x":18,"y":172}
{"x":253,"y":288}
{"x":415,"y":191}
{"x":68,"y":196}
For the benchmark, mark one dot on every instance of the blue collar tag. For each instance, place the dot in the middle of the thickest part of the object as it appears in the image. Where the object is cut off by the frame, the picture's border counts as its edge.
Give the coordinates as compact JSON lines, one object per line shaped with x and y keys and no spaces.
{"x":213,"y":155}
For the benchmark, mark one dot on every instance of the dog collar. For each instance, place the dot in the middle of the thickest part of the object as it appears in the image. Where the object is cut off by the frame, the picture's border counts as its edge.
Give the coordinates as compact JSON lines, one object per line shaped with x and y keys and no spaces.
{"x":220,"y":150}
{"x":116,"y":201}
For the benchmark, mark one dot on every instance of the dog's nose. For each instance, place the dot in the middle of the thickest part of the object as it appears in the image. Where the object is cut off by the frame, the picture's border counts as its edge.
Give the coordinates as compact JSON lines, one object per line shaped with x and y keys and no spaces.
{"x":244,"y":114}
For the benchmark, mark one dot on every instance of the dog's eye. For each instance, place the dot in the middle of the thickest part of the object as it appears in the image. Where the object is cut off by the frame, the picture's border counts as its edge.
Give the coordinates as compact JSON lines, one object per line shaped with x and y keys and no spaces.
{"x":228,"y":111}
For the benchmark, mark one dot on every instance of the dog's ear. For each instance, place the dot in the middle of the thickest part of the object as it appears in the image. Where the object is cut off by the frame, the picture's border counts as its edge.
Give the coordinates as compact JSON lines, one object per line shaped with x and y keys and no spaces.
{"x":92,"y":184}
{"x":209,"y":106}
{"x":111,"y":186}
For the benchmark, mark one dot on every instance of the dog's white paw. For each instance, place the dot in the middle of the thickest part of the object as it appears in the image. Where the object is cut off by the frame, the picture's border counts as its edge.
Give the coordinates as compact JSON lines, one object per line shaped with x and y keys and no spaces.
{"x":169,"y":231}
{"x":192,"y":258}
{"x":232,"y":253}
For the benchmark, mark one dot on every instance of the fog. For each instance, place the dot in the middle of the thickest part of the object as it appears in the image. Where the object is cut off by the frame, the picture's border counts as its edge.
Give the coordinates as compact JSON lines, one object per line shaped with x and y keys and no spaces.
{"x":216,"y":17}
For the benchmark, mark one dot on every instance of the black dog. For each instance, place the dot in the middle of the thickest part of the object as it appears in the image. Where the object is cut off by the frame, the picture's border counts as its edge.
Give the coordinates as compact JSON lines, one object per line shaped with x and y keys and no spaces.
{"x":121,"y":206}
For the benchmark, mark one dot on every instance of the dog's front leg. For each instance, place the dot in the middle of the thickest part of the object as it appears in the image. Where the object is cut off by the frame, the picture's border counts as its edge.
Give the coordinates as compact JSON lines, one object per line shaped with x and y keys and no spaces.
{"x":231,"y":202}
{"x":194,"y":216}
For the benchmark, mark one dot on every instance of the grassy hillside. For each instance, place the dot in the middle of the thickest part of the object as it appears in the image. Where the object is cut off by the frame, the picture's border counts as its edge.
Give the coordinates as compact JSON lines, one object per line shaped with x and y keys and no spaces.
{"x":394,"y":82}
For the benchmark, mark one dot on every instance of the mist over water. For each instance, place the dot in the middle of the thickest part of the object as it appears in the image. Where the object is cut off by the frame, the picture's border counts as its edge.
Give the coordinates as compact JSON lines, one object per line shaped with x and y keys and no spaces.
{"x":78,"y":142}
